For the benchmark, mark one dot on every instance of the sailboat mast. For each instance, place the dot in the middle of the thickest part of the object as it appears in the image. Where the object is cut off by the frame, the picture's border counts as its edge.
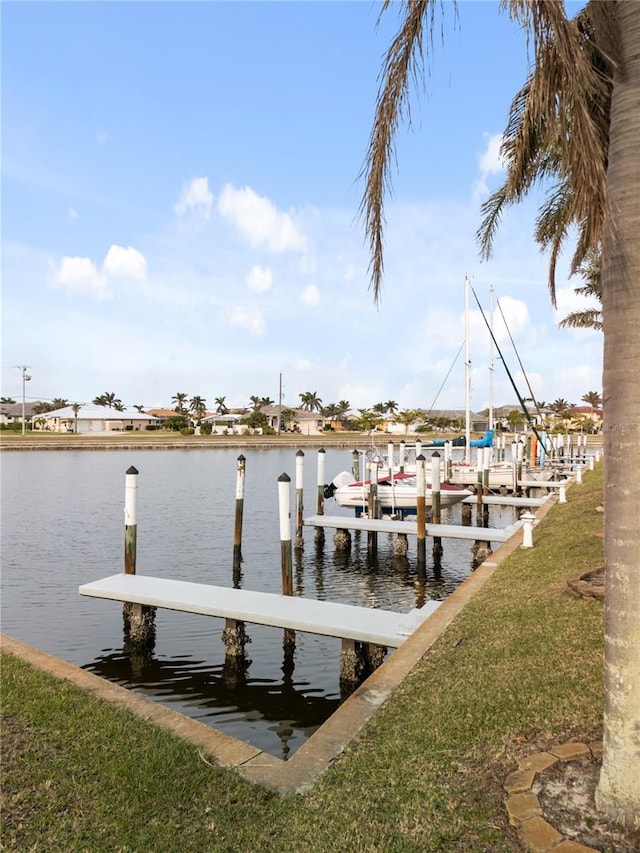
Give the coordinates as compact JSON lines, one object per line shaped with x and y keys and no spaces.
{"x":467,"y":373}
{"x":492,"y":296}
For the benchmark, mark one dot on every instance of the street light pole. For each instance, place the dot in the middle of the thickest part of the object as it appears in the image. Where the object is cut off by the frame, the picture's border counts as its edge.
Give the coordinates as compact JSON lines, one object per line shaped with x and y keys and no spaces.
{"x":25,"y":379}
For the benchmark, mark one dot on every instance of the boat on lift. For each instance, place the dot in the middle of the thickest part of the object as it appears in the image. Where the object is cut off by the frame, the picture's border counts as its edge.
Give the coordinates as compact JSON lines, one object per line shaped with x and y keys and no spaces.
{"x":395,"y":492}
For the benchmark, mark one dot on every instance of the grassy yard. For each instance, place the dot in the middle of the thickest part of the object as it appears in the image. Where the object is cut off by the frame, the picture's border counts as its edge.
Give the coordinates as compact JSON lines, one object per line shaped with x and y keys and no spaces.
{"x":520,"y":669}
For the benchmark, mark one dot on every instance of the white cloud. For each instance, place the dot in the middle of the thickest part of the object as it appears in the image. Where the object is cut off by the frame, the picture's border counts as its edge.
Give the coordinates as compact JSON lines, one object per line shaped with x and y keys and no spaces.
{"x":101,"y":137}
{"x":516,"y":316}
{"x":307,"y":265}
{"x":260,"y":221}
{"x":310,"y":295}
{"x":247,"y":318}
{"x":125,"y":263}
{"x":259,"y":279}
{"x":79,"y":275}
{"x":490,"y":163}
{"x":491,"y":160}
{"x":349,"y":272}
{"x":196,"y":196}
{"x":73,"y":214}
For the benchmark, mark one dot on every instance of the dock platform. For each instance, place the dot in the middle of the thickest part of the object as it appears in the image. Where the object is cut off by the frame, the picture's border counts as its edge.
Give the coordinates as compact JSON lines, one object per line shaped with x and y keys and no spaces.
{"x":384,"y":525}
{"x":506,"y":500}
{"x":345,"y":621}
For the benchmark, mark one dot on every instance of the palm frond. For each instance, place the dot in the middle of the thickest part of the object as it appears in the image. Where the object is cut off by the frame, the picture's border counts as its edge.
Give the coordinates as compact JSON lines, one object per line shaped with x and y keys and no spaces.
{"x":590,"y":318}
{"x":404,"y":60}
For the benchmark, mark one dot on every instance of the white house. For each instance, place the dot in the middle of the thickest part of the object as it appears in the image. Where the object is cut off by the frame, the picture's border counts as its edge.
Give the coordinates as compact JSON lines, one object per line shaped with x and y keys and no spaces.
{"x":93,"y":420}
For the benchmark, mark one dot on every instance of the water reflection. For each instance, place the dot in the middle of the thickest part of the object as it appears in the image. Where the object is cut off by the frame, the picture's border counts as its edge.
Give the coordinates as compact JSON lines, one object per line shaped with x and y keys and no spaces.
{"x":292,"y":709}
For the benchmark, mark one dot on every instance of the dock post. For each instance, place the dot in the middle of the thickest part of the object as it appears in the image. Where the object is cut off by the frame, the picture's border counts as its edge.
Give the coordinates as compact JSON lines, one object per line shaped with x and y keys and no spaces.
{"x":401,"y":454}
{"x":351,"y":666}
{"x":237,"y":527}
{"x":355,"y":465}
{"x":418,"y":450}
{"x":479,"y":488}
{"x":527,"y":530}
{"x":286,"y":555}
{"x":319,"y":531}
{"x":390,"y":457}
{"x":578,"y":473}
{"x":486,"y":468}
{"x":448,"y":462}
{"x":436,"y":504}
{"x":130,"y":520}
{"x":372,"y":508}
{"x":234,"y":636}
{"x":481,"y":550}
{"x":562,"y":499}
{"x":299,"y":540}
{"x":421,"y":527}
{"x":139,"y":620}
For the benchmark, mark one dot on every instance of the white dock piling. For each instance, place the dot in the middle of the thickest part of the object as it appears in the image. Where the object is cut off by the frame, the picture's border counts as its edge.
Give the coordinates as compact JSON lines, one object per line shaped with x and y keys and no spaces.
{"x":139,"y":622}
{"x":319,"y":532}
{"x":237,"y":527}
{"x":527,"y":530}
{"x":299,"y":539}
{"x":286,"y":558}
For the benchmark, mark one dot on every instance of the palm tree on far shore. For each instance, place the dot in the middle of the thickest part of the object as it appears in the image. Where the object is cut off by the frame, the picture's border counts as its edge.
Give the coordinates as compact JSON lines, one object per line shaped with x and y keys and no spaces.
{"x":579,"y":110}
{"x":180,"y":398}
{"x":593,"y":399}
{"x":198,"y":408}
{"x":107,"y":399}
{"x":310,"y":401}
{"x":76,"y":408}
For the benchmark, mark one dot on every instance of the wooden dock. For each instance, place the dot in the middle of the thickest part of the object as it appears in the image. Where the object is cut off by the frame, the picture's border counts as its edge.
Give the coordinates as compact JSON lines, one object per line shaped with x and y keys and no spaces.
{"x":345,"y":621}
{"x":384,"y":525}
{"x":542,"y":484}
{"x":506,"y":500}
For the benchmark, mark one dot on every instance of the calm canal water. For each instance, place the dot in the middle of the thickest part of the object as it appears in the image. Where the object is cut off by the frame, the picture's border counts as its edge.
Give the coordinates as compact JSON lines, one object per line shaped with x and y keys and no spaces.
{"x":63,"y":525}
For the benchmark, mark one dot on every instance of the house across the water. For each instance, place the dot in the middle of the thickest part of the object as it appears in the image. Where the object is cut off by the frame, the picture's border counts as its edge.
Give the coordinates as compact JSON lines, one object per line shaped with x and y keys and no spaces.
{"x":92,"y":419}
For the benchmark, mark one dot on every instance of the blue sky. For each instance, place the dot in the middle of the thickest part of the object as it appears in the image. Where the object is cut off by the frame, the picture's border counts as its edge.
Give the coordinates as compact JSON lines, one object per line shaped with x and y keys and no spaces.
{"x":179,"y":209}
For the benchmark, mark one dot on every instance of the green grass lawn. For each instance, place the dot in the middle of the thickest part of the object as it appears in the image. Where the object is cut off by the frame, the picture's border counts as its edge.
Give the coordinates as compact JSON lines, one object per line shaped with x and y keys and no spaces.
{"x":520,"y":669}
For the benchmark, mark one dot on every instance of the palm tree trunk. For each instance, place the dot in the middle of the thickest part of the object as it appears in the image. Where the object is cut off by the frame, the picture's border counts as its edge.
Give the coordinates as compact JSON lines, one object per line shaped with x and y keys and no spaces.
{"x":618,"y":792}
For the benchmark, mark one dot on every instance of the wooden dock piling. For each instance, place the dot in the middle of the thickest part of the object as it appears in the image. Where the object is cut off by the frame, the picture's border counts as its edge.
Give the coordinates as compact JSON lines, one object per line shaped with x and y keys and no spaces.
{"x":299,"y":540}
{"x":286,"y":552}
{"x":373,"y":508}
{"x":319,"y":531}
{"x":237,"y":527}
{"x":421,"y":514}
{"x":436,"y":512}
{"x":130,"y":520}
{"x":139,"y":621}
{"x":234,"y":636}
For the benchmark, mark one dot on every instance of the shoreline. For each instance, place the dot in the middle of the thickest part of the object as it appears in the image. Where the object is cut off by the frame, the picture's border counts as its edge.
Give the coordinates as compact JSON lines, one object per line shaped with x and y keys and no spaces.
{"x":145,"y":441}
{"x":154,"y":441}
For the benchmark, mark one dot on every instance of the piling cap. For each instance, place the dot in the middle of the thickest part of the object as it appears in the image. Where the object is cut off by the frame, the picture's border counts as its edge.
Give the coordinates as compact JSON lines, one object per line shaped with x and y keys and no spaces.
{"x":300,"y":453}
{"x":435,"y":453}
{"x":284,"y":478}
{"x":132,"y":470}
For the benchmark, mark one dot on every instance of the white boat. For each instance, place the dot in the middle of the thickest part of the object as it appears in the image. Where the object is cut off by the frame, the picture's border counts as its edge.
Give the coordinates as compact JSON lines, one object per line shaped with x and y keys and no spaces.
{"x":397,"y":492}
